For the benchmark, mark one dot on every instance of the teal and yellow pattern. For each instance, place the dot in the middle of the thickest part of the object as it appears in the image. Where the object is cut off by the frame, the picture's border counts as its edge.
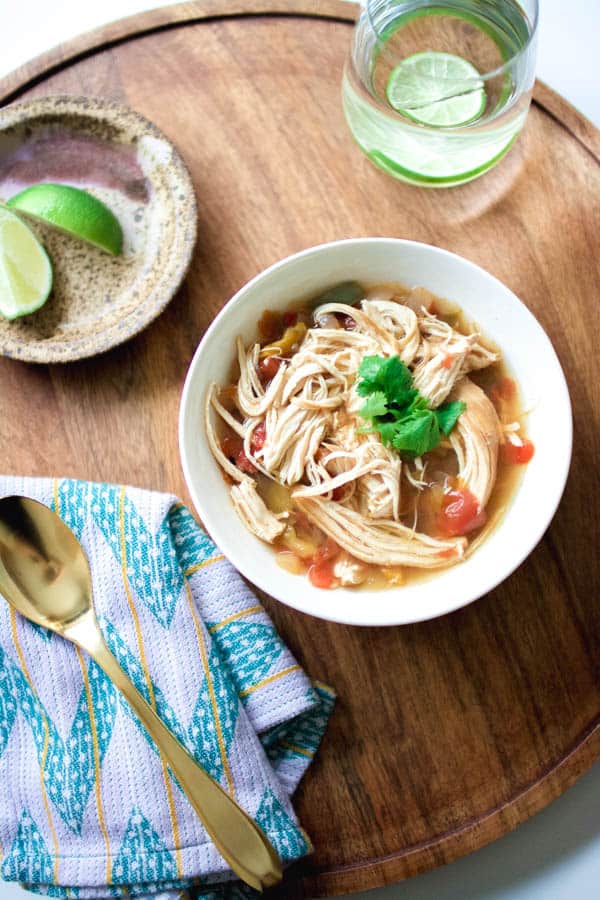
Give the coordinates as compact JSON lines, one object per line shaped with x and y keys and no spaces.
{"x":88,"y":808}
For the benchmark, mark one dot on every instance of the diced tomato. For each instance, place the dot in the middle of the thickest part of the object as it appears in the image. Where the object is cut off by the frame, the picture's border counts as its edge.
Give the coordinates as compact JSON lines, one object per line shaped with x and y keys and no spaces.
{"x":268,"y":367}
{"x":460,"y":513}
{"x":289,"y":319}
{"x":447,"y":361}
{"x":321,"y":576}
{"x":339,"y":493}
{"x":244,"y":464}
{"x":231,"y":445}
{"x":513,"y":453}
{"x":328,"y":550}
{"x":432,"y":309}
{"x":259,"y":436}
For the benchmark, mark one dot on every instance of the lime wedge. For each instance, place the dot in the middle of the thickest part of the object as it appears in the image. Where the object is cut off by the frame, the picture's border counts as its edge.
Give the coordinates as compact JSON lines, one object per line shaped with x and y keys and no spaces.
{"x":72,"y":210}
{"x":25,"y":270}
{"x":437,"y":89}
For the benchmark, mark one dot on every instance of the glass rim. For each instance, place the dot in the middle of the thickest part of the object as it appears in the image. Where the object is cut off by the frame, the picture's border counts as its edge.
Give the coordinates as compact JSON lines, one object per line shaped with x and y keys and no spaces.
{"x":485,"y":76}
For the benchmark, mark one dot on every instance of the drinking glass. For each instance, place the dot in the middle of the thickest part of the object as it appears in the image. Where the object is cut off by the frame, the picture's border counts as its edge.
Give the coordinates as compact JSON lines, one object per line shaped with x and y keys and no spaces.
{"x":436,"y":93}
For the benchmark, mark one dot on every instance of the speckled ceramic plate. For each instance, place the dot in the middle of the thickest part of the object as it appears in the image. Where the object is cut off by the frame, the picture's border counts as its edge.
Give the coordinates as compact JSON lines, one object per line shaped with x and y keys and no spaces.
{"x":98,"y":301}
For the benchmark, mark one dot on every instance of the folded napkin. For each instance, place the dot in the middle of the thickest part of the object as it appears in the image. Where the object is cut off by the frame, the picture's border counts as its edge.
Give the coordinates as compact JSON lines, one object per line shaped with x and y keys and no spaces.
{"x":88,"y":809}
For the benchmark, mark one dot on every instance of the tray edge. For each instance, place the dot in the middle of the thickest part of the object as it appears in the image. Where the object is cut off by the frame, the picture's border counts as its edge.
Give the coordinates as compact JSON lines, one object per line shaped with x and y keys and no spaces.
{"x":441,"y":849}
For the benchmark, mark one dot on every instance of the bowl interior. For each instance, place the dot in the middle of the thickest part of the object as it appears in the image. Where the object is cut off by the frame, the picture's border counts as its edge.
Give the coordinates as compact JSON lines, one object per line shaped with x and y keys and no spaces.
{"x":98,"y":301}
{"x":528,"y":354}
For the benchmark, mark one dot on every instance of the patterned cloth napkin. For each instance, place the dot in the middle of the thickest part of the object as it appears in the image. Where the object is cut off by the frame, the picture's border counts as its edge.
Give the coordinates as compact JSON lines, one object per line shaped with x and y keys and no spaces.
{"x":88,"y":809}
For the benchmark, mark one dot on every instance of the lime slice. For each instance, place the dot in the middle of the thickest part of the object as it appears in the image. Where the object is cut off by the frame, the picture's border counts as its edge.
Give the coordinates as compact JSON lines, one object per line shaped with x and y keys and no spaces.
{"x":72,"y":210}
{"x":449,"y":177}
{"x":25,"y":270}
{"x":437,"y":89}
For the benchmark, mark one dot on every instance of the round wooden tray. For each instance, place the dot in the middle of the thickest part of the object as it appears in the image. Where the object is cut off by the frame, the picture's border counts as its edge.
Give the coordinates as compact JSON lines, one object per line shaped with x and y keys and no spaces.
{"x":449,"y":733}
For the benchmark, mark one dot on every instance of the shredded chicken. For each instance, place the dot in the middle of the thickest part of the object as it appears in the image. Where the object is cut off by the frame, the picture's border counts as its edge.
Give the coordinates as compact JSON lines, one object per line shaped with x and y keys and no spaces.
{"x":439,"y":367}
{"x":253,"y":512}
{"x":435,"y":329}
{"x":252,"y":399}
{"x":444,"y":356}
{"x":416,"y":477}
{"x":213,"y":441}
{"x":378,"y":492}
{"x":399,"y":323}
{"x":349,"y":571}
{"x":383,"y":542}
{"x":293,"y":438}
{"x":475,"y":440}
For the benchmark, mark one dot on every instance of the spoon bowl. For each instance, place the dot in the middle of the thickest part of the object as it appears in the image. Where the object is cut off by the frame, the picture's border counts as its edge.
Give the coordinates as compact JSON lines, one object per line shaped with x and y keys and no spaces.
{"x":44,"y":572}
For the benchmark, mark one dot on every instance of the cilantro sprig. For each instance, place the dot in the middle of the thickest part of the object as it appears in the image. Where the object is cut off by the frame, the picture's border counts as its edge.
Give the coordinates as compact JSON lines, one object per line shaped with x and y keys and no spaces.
{"x":397,"y":411}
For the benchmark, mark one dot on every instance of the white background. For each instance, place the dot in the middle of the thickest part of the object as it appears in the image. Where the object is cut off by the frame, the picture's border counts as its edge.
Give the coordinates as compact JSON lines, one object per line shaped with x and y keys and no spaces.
{"x":556,"y":855}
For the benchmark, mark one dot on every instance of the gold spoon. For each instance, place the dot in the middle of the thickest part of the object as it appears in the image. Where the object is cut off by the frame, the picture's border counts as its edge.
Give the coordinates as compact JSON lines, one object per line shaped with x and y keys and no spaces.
{"x":45,"y":575}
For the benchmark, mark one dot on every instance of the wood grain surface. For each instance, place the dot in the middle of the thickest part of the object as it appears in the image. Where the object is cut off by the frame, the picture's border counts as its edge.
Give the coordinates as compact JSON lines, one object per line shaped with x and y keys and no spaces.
{"x":448,"y":733}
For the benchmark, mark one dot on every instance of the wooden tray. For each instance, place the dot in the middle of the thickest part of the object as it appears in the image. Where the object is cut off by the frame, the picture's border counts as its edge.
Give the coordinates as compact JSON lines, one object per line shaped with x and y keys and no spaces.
{"x":449,"y":733}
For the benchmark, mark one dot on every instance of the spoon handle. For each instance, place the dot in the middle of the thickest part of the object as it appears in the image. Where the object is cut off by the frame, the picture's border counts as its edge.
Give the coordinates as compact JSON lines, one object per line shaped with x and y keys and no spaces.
{"x":236,"y":836}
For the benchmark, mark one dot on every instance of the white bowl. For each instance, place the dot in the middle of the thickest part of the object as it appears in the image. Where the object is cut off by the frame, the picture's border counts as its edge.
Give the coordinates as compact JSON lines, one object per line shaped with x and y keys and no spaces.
{"x":502,"y":317}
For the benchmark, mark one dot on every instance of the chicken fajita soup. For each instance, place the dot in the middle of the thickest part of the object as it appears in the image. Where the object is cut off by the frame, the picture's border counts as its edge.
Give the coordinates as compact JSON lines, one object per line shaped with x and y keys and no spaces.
{"x":369,"y":434}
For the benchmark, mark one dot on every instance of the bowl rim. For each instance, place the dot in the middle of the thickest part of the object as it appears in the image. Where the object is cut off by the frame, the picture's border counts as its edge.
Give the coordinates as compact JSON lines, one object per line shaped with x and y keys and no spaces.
{"x":485,"y":584}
